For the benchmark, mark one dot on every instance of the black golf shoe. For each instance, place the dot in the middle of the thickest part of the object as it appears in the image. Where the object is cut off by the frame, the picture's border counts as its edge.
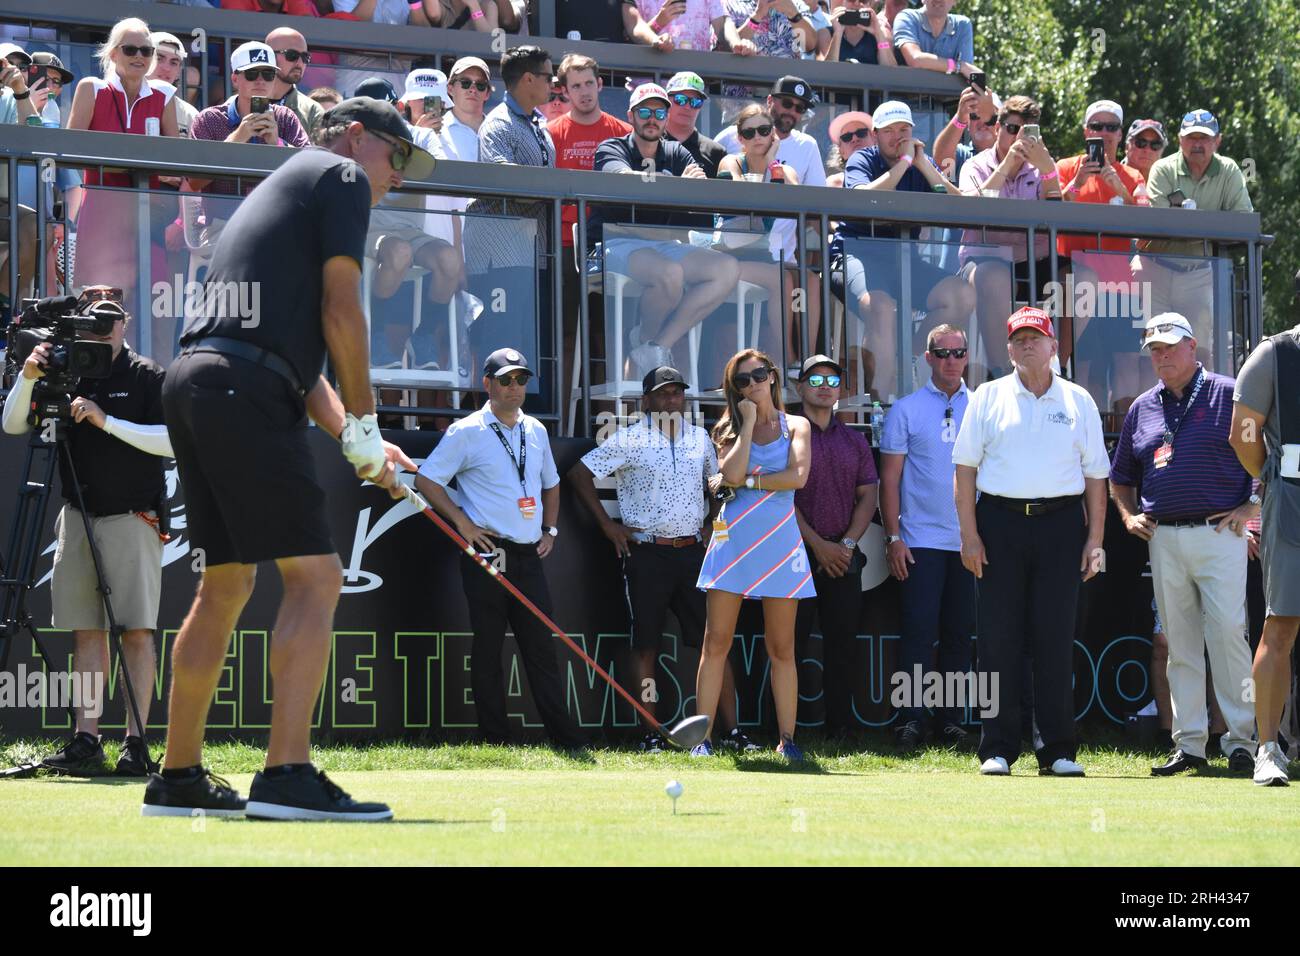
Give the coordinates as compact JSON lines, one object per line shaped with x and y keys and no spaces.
{"x":305,"y":793}
{"x":201,"y":793}
{"x":82,"y":756}
{"x":134,"y":760}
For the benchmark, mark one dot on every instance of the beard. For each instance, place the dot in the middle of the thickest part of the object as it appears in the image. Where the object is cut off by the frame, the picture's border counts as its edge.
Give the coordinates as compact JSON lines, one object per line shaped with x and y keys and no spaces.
{"x":784,"y":123}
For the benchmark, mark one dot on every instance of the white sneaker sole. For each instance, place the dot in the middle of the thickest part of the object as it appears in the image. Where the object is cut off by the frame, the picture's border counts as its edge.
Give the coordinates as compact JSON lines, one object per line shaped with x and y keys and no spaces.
{"x":258,"y":810}
{"x":1272,"y":782}
{"x":152,"y":810}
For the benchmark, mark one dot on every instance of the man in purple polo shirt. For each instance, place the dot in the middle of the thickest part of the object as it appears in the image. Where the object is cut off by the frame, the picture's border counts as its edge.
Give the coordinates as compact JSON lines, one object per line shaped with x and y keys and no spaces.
{"x":923,"y":537}
{"x":252,"y":73}
{"x":834,"y":509}
{"x":1195,"y":502}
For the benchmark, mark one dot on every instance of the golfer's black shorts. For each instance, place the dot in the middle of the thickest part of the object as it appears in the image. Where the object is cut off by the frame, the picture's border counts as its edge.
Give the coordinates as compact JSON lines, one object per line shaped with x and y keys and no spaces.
{"x":659,"y":578}
{"x":239,"y":432}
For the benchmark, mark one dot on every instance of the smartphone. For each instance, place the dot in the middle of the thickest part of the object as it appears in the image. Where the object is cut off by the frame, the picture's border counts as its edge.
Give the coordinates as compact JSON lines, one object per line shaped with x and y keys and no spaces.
{"x":979,"y":81}
{"x":1031,"y":131}
{"x":1176,"y":198}
{"x":433,"y":105}
{"x":258,"y":104}
{"x":1096,"y":150}
{"x":852,"y":18}
{"x":725,"y":493}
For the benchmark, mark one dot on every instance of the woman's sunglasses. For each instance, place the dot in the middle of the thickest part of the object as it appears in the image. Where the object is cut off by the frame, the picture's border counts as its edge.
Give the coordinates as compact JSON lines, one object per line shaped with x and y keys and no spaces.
{"x":818,"y":380}
{"x":131,"y":49}
{"x":517,"y":378}
{"x":743,"y":380}
{"x":685,"y":99}
{"x":472,"y":84}
{"x":944,"y":353}
{"x":658,"y":112}
{"x":293,"y":56}
{"x":749,"y":132}
{"x":853,"y":134}
{"x":260,"y":73}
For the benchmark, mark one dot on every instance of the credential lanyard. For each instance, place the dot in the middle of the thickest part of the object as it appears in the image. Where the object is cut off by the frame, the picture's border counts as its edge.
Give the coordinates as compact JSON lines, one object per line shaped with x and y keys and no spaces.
{"x":1196,"y":390}
{"x":523,"y":451}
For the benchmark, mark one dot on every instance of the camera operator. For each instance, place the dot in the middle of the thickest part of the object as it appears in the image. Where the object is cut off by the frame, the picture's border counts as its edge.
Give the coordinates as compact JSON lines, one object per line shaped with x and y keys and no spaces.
{"x":117,"y":442}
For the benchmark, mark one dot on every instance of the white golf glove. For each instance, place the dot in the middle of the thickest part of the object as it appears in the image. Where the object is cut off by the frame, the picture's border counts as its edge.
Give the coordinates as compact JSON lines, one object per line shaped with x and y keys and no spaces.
{"x":363,"y":446}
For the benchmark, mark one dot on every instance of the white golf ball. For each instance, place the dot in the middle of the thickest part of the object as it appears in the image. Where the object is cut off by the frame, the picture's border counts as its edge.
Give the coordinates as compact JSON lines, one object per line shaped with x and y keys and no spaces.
{"x":673,"y":789}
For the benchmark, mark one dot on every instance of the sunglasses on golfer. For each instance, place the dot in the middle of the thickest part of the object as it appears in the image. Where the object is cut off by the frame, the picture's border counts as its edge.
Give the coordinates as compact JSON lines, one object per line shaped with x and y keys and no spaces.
{"x":479,"y":85}
{"x":944,"y":353}
{"x":513,"y":378}
{"x":853,"y":134}
{"x":130,"y":49}
{"x":401,"y":153}
{"x":1103,"y":127}
{"x":293,"y":56}
{"x":798,"y":106}
{"x":818,"y":380}
{"x":658,"y":112}
{"x":1148,"y":144}
{"x":260,"y":73}
{"x":749,"y":132}
{"x":690,"y":102}
{"x":743,"y":380}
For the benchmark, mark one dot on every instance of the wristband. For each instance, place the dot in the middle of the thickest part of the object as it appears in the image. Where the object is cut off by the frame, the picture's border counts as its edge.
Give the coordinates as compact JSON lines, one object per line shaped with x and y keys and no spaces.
{"x":476,"y":15}
{"x":883,"y":46}
{"x":1047,"y":177}
{"x":1072,"y":189}
{"x":23,"y":95}
{"x":959,"y":124}
{"x":907,"y":158}
{"x":952,"y":65}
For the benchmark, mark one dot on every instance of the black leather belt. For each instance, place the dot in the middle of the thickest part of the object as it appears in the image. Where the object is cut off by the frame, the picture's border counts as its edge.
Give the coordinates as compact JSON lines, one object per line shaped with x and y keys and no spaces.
{"x":1187,"y":522}
{"x":249,"y":353}
{"x":1032,"y":507}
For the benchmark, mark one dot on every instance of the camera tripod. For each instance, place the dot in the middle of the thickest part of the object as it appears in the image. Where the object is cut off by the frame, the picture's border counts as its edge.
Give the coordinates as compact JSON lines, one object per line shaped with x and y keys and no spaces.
{"x":48,"y":442}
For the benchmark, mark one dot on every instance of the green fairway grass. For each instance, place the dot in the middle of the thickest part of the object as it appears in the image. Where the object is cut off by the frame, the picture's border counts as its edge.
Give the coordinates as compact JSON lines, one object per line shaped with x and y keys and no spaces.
{"x":481,"y":805}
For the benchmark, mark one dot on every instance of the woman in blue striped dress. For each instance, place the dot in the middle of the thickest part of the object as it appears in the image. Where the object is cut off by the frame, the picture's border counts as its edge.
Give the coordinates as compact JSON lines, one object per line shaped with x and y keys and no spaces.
{"x":756,"y":550}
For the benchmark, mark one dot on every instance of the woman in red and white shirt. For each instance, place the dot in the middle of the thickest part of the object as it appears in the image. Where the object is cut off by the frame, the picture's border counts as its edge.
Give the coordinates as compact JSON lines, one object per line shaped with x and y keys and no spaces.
{"x":123,"y":101}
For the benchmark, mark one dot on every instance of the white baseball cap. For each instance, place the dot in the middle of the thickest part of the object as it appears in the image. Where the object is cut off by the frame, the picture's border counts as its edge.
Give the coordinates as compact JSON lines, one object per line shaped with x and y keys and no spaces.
{"x":251,"y":54}
{"x":425,"y":82}
{"x":1103,"y":106}
{"x":470,"y":63}
{"x":9,"y":49}
{"x":158,"y":39}
{"x":891,"y":113}
{"x":1167,"y":328}
{"x":648,"y":91}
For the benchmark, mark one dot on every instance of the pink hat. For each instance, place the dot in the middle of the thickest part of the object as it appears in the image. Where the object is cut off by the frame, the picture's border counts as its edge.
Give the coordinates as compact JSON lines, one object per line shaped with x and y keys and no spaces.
{"x":844,"y":119}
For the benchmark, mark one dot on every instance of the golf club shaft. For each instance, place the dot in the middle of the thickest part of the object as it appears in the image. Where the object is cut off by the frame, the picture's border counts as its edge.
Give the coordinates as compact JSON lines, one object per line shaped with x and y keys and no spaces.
{"x":415,"y":498}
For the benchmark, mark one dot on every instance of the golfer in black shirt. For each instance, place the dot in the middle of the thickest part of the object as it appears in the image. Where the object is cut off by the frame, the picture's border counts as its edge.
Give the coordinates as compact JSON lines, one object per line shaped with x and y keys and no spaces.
{"x":282,"y":290}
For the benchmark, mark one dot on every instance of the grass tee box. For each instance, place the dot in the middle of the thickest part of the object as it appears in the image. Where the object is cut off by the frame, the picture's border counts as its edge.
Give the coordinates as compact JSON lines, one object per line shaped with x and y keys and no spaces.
{"x":480,"y":805}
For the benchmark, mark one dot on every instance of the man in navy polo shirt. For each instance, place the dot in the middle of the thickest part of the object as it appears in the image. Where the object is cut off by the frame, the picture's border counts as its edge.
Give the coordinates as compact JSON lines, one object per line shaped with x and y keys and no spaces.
{"x":1195,"y":502}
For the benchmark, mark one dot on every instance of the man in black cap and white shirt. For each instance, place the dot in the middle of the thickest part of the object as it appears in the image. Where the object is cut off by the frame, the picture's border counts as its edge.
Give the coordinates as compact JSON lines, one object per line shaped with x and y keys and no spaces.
{"x":789,"y":102}
{"x":506,"y":505}
{"x":662,"y":464}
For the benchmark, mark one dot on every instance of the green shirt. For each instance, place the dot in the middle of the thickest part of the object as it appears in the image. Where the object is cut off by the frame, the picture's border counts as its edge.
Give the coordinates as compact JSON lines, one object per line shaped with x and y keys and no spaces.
{"x":1222,"y":188}
{"x":308,"y":111}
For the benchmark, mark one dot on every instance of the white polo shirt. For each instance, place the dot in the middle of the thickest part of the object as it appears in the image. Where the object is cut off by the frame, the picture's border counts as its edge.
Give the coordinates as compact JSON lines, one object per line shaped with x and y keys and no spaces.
{"x":1029,"y":447}
{"x":660,"y":482}
{"x":487,"y":476}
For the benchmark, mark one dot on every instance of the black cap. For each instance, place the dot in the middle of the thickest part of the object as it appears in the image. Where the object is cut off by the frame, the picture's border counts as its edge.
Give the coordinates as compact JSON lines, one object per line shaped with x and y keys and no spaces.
{"x":48,"y":61}
{"x":383,"y":117}
{"x":793,"y":86}
{"x":657,"y":378}
{"x":814,"y":360}
{"x":377,"y":88}
{"x":503,"y":361}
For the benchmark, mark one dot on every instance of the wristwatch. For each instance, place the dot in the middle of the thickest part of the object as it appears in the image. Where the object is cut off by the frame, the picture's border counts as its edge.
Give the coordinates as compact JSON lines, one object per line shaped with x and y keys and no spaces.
{"x":849,"y":543}
{"x":891,"y":538}
{"x":749,"y":482}
{"x":1256,"y":500}
{"x":551,"y":530}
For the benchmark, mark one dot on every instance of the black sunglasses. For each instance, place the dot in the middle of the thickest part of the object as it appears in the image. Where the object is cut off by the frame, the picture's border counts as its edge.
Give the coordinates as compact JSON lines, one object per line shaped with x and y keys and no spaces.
{"x":98,"y":293}
{"x":743,"y":380}
{"x":131,"y":49}
{"x":516,"y":378}
{"x":472,"y":84}
{"x":796,"y":105}
{"x":818,"y":380}
{"x":558,"y":95}
{"x":944,"y":353}
{"x":293,"y":56}
{"x":1012,"y":128}
{"x":851,"y":135}
{"x":749,"y":132}
{"x":551,"y":79}
{"x":259,"y":73}
{"x":1148,"y":144}
{"x":1104,"y":127}
{"x":685,"y":99}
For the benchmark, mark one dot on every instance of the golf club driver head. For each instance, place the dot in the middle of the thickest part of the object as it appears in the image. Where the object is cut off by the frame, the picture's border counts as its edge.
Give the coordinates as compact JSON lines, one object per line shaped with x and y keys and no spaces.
{"x":687,"y":733}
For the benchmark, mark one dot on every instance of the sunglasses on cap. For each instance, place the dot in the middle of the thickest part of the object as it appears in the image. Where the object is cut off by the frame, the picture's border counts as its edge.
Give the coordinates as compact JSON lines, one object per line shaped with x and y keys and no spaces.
{"x":259,"y":73}
{"x":130,"y":49}
{"x":1163,"y":329}
{"x":1103,"y":127}
{"x":1148,"y":144}
{"x":558,"y":95}
{"x":293,"y":56}
{"x":685,"y":99}
{"x":818,"y":380}
{"x":944,"y":353}
{"x":798,"y":106}
{"x":743,"y":380}
{"x":479,"y":85}
{"x":853,"y":134}
{"x":749,"y":132}
{"x":658,"y":112}
{"x":514,"y":378}
{"x":401,"y":153}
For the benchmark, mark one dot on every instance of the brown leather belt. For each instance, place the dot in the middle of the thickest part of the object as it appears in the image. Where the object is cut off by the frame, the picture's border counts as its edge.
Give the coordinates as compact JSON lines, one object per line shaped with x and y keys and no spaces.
{"x":683,"y":542}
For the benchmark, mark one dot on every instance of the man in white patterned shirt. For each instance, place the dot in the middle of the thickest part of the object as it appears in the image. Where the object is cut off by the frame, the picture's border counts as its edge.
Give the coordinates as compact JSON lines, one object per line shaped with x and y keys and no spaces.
{"x":662,"y":464}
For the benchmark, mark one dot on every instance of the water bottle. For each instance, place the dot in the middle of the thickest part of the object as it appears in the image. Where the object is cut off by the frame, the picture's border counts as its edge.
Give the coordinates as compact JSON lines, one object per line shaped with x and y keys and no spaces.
{"x":877,"y":423}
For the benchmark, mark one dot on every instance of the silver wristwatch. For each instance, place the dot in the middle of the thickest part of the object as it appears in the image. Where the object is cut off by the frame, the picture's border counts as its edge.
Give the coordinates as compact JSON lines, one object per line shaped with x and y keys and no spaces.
{"x":891,"y":538}
{"x":551,"y":530}
{"x":849,"y":543}
{"x":1256,"y":500}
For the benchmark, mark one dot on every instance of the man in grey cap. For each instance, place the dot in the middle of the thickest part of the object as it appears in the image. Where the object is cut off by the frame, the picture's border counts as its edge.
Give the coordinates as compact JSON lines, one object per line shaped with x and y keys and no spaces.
{"x":236,"y":399}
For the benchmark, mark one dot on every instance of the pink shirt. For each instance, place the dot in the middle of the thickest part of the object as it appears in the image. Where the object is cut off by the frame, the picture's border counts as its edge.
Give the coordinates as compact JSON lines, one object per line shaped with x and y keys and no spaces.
{"x":1023,"y":185}
{"x":694,"y":26}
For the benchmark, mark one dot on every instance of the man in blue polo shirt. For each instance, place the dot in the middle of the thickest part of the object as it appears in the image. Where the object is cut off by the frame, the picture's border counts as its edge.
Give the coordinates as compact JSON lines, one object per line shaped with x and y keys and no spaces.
{"x":922,"y":534}
{"x":1195,"y":502}
{"x":934,"y":38}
